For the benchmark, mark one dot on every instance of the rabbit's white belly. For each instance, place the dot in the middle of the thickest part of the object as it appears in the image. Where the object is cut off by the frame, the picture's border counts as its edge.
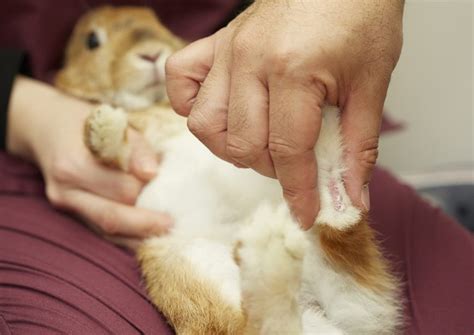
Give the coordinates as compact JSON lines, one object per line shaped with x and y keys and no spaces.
{"x":204,"y":195}
{"x":208,"y":199}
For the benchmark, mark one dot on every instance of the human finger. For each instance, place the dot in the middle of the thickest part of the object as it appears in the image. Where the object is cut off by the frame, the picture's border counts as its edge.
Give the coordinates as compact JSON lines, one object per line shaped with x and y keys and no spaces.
{"x":143,"y":162}
{"x":114,"y":218}
{"x":186,"y":70}
{"x":208,"y":117}
{"x":295,"y":121}
{"x":247,"y":122}
{"x":360,"y":123}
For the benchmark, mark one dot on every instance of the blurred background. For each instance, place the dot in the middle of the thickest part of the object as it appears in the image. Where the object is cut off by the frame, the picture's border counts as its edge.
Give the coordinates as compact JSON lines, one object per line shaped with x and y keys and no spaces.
{"x":431,"y":95}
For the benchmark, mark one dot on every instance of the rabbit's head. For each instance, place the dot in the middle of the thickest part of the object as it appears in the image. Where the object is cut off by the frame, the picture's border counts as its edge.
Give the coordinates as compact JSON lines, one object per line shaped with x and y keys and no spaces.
{"x":117,"y":56}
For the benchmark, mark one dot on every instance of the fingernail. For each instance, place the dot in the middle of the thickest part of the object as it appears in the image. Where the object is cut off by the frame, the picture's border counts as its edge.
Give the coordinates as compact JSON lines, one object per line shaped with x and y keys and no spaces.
{"x":365,"y":197}
{"x":165,"y":224}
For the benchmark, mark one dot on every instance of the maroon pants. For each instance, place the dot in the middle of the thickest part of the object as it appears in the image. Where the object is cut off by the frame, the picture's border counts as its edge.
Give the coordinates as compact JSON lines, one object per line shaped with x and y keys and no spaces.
{"x":56,"y":276}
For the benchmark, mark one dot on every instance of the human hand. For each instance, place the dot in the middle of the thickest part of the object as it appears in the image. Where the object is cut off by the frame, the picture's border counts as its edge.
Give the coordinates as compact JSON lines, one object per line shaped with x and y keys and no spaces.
{"x":253,"y":91}
{"x":46,"y":126}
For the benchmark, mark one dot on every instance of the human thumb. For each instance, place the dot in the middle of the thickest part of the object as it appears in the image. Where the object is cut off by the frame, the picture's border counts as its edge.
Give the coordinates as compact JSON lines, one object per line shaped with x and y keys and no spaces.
{"x":360,"y":123}
{"x":143,"y":161}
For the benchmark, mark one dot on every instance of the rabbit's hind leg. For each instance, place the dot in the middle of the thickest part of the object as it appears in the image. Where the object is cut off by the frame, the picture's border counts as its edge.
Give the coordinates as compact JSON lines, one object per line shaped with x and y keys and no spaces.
{"x":270,"y":255}
{"x":105,"y":135}
{"x":315,"y":322}
{"x":193,"y":284}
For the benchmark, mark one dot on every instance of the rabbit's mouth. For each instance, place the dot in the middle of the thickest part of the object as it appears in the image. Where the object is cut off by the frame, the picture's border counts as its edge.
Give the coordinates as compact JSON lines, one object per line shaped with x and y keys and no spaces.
{"x":158,"y":78}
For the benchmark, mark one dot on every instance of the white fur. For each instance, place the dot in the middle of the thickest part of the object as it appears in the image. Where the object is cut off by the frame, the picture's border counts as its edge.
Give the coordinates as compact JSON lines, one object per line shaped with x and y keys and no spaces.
{"x":213,"y":260}
{"x":146,"y":86}
{"x":132,"y":100}
{"x":272,"y":253}
{"x":286,"y":284}
{"x":349,"y":306}
{"x":329,"y":151}
{"x":315,"y":322}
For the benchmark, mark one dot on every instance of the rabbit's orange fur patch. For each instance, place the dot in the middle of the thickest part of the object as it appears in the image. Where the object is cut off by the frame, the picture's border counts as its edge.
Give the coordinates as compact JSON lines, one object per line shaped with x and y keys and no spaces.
{"x":193,"y":306}
{"x":355,"y":251}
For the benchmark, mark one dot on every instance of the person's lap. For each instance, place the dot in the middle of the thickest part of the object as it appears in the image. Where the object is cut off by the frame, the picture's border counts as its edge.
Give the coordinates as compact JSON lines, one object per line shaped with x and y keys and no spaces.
{"x":58,"y":276}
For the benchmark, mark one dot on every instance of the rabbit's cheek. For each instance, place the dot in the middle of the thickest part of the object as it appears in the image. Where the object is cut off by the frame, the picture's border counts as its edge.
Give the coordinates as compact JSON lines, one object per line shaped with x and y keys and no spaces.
{"x":131,"y":74}
{"x":160,"y":65}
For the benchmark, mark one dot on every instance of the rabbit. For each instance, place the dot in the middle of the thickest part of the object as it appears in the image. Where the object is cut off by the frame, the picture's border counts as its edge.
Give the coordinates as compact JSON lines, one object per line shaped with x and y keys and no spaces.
{"x":235,"y":261}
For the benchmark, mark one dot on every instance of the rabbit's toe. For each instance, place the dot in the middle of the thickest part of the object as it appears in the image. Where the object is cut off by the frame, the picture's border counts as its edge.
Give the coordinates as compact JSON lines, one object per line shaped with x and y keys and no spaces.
{"x":105,"y":135}
{"x":272,"y":248}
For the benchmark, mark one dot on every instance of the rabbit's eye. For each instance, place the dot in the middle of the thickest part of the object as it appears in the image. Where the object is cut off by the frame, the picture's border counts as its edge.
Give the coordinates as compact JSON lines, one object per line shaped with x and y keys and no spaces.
{"x":92,"y":41}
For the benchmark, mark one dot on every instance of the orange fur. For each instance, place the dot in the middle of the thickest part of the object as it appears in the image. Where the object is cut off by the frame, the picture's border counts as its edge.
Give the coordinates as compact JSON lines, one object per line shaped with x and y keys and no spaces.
{"x":115,"y":162}
{"x":355,"y":251}
{"x":129,"y":30}
{"x":191,"y":304}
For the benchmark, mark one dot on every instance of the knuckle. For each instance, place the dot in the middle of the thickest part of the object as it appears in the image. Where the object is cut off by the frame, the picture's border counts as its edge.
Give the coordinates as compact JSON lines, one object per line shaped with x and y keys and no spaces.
{"x":291,"y":194}
{"x":299,"y":195}
{"x":281,"y":61}
{"x":368,"y":158}
{"x":241,"y":44}
{"x":128,"y":194}
{"x":282,"y":149}
{"x":63,"y":170}
{"x":243,"y":151}
{"x":368,"y":152}
{"x":54,"y":195}
{"x":180,"y":108}
{"x":108,"y":222}
{"x":364,"y":154}
{"x":197,"y":125}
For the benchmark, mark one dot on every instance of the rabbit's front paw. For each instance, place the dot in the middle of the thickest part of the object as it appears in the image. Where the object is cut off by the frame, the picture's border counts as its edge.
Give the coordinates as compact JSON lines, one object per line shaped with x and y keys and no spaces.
{"x":105,"y":135}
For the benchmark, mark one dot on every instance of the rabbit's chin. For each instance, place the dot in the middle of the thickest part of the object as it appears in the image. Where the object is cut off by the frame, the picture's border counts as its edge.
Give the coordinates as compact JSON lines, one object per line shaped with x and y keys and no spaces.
{"x":145,"y":98}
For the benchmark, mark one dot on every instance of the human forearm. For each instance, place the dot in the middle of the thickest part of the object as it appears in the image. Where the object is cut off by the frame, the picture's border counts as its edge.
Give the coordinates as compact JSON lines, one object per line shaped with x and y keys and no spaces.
{"x":33,"y":105}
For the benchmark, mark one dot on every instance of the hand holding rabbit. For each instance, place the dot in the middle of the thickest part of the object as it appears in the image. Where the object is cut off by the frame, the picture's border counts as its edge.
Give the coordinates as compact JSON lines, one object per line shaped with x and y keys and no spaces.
{"x":46,"y":126}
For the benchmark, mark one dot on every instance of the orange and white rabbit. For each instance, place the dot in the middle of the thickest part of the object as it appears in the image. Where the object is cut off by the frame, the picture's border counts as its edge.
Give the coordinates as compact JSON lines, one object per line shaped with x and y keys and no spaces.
{"x":235,"y":261}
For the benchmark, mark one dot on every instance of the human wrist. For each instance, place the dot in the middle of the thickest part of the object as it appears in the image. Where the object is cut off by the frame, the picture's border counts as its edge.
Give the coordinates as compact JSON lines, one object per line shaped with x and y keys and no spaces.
{"x":17,"y":142}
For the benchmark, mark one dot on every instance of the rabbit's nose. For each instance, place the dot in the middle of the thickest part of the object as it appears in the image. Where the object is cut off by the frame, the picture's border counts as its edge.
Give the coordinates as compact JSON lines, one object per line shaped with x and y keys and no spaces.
{"x":150,"y":57}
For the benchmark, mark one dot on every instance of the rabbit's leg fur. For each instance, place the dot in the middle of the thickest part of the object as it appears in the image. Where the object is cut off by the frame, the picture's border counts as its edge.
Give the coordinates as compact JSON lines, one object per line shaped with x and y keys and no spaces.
{"x":105,"y":135}
{"x":195,"y":283}
{"x":315,"y":322}
{"x":270,"y":255}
